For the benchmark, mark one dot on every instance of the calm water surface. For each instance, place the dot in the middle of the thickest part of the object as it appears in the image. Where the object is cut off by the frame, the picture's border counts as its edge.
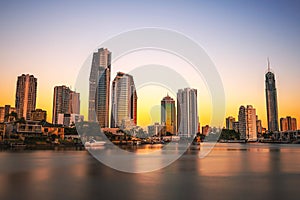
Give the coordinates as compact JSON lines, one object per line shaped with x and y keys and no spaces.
{"x":230,"y":171}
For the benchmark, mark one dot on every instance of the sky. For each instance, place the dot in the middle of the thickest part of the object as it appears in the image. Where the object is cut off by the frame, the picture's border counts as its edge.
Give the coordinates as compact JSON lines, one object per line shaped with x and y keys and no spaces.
{"x":52,"y":40}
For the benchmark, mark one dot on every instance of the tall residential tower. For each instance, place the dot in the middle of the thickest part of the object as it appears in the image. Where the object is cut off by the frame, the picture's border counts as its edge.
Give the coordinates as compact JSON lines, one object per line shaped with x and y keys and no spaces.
{"x":99,"y":89}
{"x":124,"y":100}
{"x":26,"y":95}
{"x":187,"y":112}
{"x":168,"y":114}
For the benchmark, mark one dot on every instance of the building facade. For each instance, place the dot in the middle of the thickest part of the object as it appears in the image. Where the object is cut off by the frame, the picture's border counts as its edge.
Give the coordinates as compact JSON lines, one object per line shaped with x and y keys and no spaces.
{"x":61,"y":102}
{"x":187,"y":112}
{"x":38,"y":115}
{"x":99,"y":87}
{"x":247,"y":123}
{"x":168,"y":114}
{"x":25,"y":95}
{"x":288,"y":124}
{"x":229,"y":122}
{"x":74,"y":104}
{"x":124,"y":100}
{"x":242,"y":122}
{"x":271,"y":101}
{"x":5,"y":112}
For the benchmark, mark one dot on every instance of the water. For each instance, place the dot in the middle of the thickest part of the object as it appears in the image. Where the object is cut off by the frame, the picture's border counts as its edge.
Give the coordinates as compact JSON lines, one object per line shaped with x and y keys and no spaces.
{"x":230,"y":171}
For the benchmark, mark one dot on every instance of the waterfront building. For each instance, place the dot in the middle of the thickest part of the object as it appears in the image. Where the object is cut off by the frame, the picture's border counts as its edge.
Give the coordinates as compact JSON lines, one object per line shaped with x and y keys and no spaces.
{"x":124,"y":100}
{"x":38,"y":115}
{"x":288,"y":124}
{"x":74,"y":104}
{"x":206,"y":130}
{"x":187,"y":112}
{"x":271,"y":101}
{"x":247,"y":123}
{"x":25,"y":95}
{"x":61,"y":102}
{"x":99,"y":87}
{"x":168,"y":114}
{"x":229,"y":122}
{"x":4,"y":113}
{"x":157,"y":130}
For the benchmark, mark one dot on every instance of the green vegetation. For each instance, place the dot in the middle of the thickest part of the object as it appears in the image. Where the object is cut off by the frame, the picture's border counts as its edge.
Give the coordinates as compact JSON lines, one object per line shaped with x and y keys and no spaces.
{"x":229,"y":135}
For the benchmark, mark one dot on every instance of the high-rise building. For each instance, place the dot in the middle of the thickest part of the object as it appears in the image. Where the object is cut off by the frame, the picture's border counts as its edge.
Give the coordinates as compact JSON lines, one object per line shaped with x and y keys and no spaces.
{"x":187,"y":112}
{"x":124,"y":100}
{"x":99,"y":89}
{"x":271,"y":101}
{"x":259,"y":127}
{"x":61,"y":102}
{"x":26,"y":95}
{"x":242,"y":122}
{"x":206,"y":130}
{"x":5,"y":111}
{"x":74,"y":104}
{"x":288,"y":124}
{"x":65,"y":101}
{"x":251,"y":132}
{"x":229,"y":122}
{"x":247,"y":123}
{"x":38,"y":115}
{"x":168,"y":114}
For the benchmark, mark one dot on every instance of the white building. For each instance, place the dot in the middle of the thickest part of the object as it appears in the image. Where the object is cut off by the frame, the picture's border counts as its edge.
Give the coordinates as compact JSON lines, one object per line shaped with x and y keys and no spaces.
{"x":124,"y":100}
{"x":69,"y":119}
{"x":187,"y":112}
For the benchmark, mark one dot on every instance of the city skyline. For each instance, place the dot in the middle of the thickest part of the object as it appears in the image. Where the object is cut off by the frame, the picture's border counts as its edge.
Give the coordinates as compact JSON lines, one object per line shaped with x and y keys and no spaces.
{"x":54,"y":55}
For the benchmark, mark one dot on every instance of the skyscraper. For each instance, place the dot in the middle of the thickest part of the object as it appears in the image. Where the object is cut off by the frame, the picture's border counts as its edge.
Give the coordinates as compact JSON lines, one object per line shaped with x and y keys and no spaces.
{"x":271,"y":101}
{"x":26,"y":95}
{"x":99,"y":89}
{"x":74,"y":104}
{"x":251,"y":132}
{"x":229,"y":122}
{"x":65,"y":101}
{"x":61,"y":102}
{"x":242,"y":122}
{"x":247,"y":123}
{"x":168,"y":114}
{"x":187,"y":112}
{"x":124,"y":100}
{"x":288,"y":124}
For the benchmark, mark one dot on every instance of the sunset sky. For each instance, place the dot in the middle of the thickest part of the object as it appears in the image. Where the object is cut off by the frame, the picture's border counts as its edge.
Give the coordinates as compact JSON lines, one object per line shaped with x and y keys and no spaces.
{"x":52,"y":40}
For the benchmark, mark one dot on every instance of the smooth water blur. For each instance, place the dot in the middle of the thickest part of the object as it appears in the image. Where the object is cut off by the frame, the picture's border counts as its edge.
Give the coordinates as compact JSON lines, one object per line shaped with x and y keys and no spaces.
{"x":230,"y":171}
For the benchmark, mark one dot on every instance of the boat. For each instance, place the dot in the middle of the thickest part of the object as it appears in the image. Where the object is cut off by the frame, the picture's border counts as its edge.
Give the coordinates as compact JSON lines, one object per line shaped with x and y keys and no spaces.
{"x":94,"y":143}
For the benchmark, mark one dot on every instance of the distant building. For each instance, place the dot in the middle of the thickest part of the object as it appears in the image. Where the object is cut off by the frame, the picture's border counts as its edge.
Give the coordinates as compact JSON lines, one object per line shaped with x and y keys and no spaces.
{"x":99,"y":88}
{"x":242,"y":122}
{"x":229,"y":122}
{"x":235,"y":126}
{"x":157,"y":129}
{"x":26,"y":95}
{"x":251,"y":132}
{"x":38,"y":115}
{"x":65,"y":101}
{"x":168,"y":114}
{"x":74,"y":104}
{"x":259,"y":128}
{"x":124,"y":100}
{"x":247,"y":123}
{"x":187,"y":112}
{"x":288,"y":124}
{"x":67,"y":119}
{"x":2,"y":131}
{"x":61,"y":102}
{"x":271,"y":101}
{"x":206,"y":130}
{"x":5,"y":111}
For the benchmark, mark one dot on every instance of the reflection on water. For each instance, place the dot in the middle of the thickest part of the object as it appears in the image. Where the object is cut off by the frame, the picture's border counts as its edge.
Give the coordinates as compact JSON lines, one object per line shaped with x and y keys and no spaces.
{"x":230,"y":171}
